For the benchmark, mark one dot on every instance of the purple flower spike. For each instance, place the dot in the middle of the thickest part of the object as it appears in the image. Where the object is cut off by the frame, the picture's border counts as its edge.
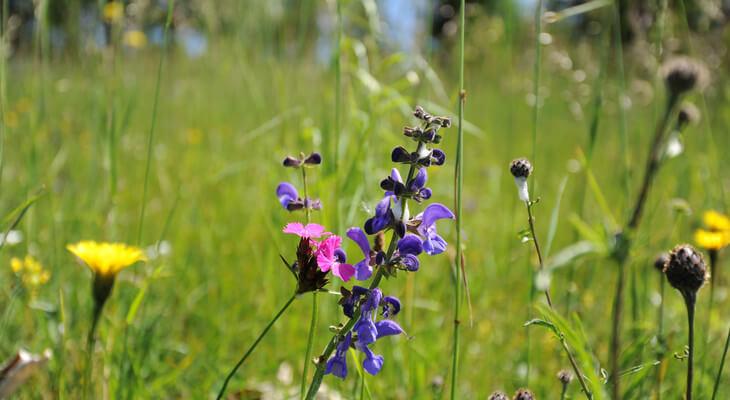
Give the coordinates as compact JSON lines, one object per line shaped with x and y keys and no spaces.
{"x":337,"y":364}
{"x":365,"y":327}
{"x":388,"y":327}
{"x":433,"y":243}
{"x":363,"y":270}
{"x":287,"y":193}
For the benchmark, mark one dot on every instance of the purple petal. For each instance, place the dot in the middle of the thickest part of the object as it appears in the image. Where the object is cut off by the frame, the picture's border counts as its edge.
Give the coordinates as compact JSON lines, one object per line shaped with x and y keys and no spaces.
{"x":340,"y":256}
{"x":313,"y":159}
{"x":383,"y":206}
{"x":434,"y":212}
{"x":366,"y":331}
{"x":400,"y":155}
{"x":387,"y":327}
{"x":336,"y":366}
{"x":425,"y":193}
{"x":420,"y":180}
{"x":373,"y":363}
{"x":434,"y":244}
{"x":395,"y":175}
{"x":363,"y":270}
{"x":358,"y":236}
{"x":411,"y":262}
{"x":438,"y":157}
{"x":410,"y":244}
{"x":286,"y":192}
{"x":392,"y":306}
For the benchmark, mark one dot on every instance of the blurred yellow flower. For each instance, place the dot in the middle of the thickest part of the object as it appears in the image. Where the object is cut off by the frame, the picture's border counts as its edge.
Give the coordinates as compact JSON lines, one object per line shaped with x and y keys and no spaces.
{"x":30,"y":272}
{"x":717,"y":235}
{"x":113,"y":11}
{"x":11,"y":119}
{"x":716,"y":221}
{"x":106,"y":259}
{"x":135,"y":39}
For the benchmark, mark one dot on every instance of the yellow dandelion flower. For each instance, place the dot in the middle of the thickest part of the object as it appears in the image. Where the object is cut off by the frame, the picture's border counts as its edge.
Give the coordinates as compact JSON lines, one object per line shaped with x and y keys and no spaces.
{"x":16,"y":265}
{"x":30,"y":272}
{"x":135,"y":39}
{"x":106,"y":259}
{"x":711,"y":240}
{"x":716,"y":221}
{"x":113,"y":11}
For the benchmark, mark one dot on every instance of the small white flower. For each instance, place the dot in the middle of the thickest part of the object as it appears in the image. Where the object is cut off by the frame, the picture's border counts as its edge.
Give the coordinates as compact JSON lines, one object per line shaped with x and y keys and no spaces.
{"x":13,"y":237}
{"x":522,"y":189}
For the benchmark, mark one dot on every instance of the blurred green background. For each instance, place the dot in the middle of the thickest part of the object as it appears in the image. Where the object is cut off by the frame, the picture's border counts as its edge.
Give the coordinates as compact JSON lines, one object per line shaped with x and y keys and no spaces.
{"x":244,"y":83}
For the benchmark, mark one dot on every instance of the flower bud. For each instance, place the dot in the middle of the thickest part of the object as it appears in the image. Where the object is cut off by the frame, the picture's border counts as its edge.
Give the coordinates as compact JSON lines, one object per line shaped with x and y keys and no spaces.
{"x":524,"y":394}
{"x":498,"y":395}
{"x":520,"y":168}
{"x":688,"y":114}
{"x":565,"y":376}
{"x":682,"y":74}
{"x":661,"y":261}
{"x":686,"y":270}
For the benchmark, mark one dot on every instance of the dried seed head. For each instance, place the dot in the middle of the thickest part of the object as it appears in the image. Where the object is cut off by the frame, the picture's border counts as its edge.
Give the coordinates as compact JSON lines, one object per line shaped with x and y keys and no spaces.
{"x":688,"y":114}
{"x":524,"y":394}
{"x":661,"y":261}
{"x":520,"y":168}
{"x":565,"y":376}
{"x":420,"y":113}
{"x":686,"y":270}
{"x":682,"y":74}
{"x":498,"y":395}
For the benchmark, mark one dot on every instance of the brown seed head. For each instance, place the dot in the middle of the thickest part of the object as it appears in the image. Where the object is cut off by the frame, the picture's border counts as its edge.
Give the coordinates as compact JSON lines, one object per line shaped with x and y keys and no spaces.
{"x":520,"y":168}
{"x":565,"y":376}
{"x":524,"y":394}
{"x":682,"y":74}
{"x":686,"y":270}
{"x":498,"y":395}
{"x":688,"y":114}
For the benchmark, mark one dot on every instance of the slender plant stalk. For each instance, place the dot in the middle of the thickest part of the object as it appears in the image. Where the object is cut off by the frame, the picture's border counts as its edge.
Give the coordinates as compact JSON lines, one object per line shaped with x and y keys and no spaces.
{"x":253,"y":346}
{"x":151,"y":133}
{"x":652,"y":166}
{"x":690,"y":302}
{"x":660,"y":338}
{"x":315,"y":311}
{"x":571,"y":358}
{"x":90,"y":341}
{"x":459,"y":173}
{"x":319,"y":372}
{"x":3,"y":85}
{"x":716,"y":387}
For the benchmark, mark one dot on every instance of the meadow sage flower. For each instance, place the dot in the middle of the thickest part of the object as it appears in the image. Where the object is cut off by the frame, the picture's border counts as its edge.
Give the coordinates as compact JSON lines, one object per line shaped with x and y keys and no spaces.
{"x":330,"y":256}
{"x":425,"y":226}
{"x":364,"y":268}
{"x":337,"y":365}
{"x":290,"y":200}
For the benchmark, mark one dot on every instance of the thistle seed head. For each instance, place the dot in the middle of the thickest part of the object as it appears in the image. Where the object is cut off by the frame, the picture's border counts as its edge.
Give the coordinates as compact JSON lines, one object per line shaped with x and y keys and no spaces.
{"x":565,"y":376}
{"x":682,"y":74}
{"x":520,"y":168}
{"x":661,"y":261}
{"x":498,"y":395}
{"x":524,"y":394}
{"x":686,"y":270}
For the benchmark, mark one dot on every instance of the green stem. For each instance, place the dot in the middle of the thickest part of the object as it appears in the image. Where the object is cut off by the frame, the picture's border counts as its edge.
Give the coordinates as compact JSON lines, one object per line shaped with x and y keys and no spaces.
{"x":660,"y":338}
{"x":722,"y":364}
{"x":90,"y":341}
{"x":690,"y":302}
{"x":253,"y":346}
{"x":459,"y":172}
{"x":151,"y":133}
{"x":310,"y":344}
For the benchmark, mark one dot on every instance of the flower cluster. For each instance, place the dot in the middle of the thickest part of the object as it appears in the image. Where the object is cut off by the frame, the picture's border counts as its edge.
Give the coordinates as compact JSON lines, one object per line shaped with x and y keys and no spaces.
{"x":30,"y":272}
{"x":367,"y":329}
{"x":288,"y":194}
{"x":412,"y":236}
{"x":317,"y":257}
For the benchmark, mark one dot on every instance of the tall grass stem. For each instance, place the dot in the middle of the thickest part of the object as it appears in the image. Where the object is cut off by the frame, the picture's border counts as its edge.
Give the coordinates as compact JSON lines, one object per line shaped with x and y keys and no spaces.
{"x":716,"y":386}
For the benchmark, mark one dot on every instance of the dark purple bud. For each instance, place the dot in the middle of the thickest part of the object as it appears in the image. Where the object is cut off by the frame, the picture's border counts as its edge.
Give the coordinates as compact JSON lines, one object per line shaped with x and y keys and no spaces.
{"x":391,"y":306}
{"x":410,"y":244}
{"x":295,"y":205}
{"x":429,"y":135}
{"x":313,"y":159}
{"x":380,"y":258}
{"x":340,"y":256}
{"x":292,"y":162}
{"x":400,"y":228}
{"x":400,"y":155}
{"x":438,"y":157}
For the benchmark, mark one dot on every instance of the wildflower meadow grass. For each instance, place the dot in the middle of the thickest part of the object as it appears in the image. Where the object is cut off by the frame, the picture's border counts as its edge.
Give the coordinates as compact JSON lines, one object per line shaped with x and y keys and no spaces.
{"x":279,"y":200}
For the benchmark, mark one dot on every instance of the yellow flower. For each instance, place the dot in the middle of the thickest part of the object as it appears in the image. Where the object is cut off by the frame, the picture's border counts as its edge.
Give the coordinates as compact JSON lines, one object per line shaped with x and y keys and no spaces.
{"x":106,"y":259}
{"x":113,"y":11}
{"x":30,"y":272}
{"x":135,"y":39}
{"x":711,"y":240}
{"x":716,"y":221}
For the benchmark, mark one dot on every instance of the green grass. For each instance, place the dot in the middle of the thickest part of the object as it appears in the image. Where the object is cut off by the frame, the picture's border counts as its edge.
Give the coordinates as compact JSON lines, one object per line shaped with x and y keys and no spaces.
{"x":224,"y":123}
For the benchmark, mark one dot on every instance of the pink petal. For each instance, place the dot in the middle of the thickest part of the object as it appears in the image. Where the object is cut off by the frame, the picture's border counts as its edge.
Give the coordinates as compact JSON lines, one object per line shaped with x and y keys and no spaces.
{"x":343,"y":271}
{"x":295,"y":228}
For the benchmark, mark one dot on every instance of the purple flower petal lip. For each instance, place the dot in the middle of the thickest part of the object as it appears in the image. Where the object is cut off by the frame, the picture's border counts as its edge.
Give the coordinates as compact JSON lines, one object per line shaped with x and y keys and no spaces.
{"x":420,"y":180}
{"x":373,"y":363}
{"x":290,"y":161}
{"x":363,"y":270}
{"x":387,"y":327}
{"x":434,"y":244}
{"x":411,"y":262}
{"x":366,"y":331}
{"x":410,"y":244}
{"x":358,"y":236}
{"x":287,"y":193}
{"x":400,"y":155}
{"x":313,"y":159}
{"x":337,"y":364}
{"x":434,"y":212}
{"x":425,"y":193}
